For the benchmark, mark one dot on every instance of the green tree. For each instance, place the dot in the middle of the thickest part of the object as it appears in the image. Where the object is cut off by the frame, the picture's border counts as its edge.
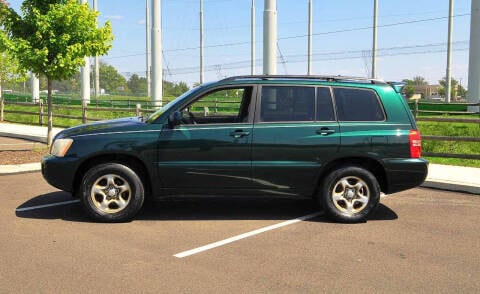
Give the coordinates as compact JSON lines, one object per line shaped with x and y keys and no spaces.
{"x":456,"y":88}
{"x":174,"y":89}
{"x":9,"y":69}
{"x":137,"y":85}
{"x":411,"y":85}
{"x":111,"y":80}
{"x":51,"y":38}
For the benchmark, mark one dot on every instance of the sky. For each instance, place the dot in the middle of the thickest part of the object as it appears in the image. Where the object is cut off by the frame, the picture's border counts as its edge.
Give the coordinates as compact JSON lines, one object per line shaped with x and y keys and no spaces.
{"x":412,"y":38}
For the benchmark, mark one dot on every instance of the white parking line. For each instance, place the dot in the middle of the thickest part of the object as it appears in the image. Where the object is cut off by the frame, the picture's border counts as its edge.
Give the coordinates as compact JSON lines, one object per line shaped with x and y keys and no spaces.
{"x":46,"y":205}
{"x":245,"y":235}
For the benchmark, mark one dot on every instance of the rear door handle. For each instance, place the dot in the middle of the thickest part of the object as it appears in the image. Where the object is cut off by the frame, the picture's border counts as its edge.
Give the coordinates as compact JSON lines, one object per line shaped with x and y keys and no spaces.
{"x":325,"y":131}
{"x":239,"y":133}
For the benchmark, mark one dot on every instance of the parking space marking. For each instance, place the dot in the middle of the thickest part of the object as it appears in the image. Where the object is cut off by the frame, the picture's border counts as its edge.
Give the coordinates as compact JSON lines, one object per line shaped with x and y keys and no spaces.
{"x":46,"y":205}
{"x":246,"y":235}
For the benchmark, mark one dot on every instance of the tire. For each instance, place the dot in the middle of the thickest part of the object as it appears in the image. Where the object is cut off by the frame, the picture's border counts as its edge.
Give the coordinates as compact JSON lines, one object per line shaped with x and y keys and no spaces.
{"x":111,"y":192}
{"x":349,"y":194}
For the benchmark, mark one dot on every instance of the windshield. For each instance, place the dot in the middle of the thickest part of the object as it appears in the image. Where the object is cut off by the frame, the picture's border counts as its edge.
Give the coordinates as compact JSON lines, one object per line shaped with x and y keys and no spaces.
{"x":167,"y":106}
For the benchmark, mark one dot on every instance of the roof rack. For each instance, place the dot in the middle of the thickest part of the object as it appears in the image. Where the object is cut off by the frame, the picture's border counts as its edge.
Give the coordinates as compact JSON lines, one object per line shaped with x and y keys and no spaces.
{"x":308,"y":77}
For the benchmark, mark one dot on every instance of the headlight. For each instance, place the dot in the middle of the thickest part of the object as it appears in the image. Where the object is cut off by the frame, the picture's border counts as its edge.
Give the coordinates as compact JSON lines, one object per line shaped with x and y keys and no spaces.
{"x":60,"y":147}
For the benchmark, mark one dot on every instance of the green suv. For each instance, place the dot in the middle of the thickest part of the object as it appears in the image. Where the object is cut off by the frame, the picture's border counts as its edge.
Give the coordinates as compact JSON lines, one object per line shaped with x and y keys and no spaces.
{"x":340,"y":140}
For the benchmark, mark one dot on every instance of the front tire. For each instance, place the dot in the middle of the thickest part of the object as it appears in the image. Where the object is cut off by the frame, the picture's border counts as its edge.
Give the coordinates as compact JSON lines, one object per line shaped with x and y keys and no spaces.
{"x":112,"y":192}
{"x":349,"y":194}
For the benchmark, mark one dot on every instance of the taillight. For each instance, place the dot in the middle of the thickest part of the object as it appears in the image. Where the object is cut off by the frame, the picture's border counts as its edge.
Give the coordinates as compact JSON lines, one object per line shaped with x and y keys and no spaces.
{"x":415,"y":144}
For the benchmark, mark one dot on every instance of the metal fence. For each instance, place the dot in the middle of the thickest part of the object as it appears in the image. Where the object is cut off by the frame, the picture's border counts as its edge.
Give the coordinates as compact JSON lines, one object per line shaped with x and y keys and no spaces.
{"x":459,"y":109}
{"x":218,"y":105}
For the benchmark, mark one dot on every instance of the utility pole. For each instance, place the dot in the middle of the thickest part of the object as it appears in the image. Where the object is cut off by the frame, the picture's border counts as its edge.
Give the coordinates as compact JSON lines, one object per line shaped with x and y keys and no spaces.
{"x":448,"y":90}
{"x":85,"y":70}
{"x":35,"y":87}
{"x":201,"y":41}
{"x":97,"y":62}
{"x":157,"y":74}
{"x":270,"y":37}
{"x":253,"y":39}
{"x":473,"y":93}
{"x":310,"y":35}
{"x":374,"y":45}
{"x":148,"y":45}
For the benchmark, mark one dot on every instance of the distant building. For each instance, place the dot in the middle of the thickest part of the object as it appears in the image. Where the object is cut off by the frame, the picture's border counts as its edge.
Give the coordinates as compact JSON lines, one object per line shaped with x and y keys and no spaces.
{"x":428,"y":91}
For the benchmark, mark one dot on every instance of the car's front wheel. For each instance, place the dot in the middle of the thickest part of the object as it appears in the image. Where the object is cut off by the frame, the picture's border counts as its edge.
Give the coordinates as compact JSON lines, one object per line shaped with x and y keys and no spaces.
{"x":111,"y":192}
{"x":349,"y":194}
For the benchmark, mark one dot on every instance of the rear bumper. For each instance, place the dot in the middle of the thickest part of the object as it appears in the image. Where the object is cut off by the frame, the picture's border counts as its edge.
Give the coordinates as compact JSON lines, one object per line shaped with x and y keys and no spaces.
{"x":403,"y":174}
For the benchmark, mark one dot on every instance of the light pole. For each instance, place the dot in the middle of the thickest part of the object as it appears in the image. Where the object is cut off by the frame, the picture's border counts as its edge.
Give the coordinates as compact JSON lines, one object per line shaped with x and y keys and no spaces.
{"x":253,"y":57}
{"x":474,"y":58}
{"x":448,"y":90}
{"x":148,"y":45}
{"x":310,"y":32}
{"x":85,"y":70}
{"x":270,"y":37}
{"x":374,"y":45}
{"x":35,"y":87}
{"x":97,"y":63}
{"x":201,"y":42}
{"x":157,"y":74}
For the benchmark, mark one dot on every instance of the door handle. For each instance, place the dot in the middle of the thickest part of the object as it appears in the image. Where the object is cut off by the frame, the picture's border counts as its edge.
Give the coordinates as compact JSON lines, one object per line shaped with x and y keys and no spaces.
{"x":239,"y":134}
{"x":325,"y":131}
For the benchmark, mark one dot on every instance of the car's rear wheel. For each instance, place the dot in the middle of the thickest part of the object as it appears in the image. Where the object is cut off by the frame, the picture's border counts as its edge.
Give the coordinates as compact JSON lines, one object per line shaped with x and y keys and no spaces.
{"x":111,"y":192}
{"x":349,"y":194}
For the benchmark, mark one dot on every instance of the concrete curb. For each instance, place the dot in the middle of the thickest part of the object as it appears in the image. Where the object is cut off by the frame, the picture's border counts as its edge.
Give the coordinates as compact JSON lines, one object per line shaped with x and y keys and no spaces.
{"x":30,"y":137}
{"x":456,"y":187}
{"x":20,"y":168}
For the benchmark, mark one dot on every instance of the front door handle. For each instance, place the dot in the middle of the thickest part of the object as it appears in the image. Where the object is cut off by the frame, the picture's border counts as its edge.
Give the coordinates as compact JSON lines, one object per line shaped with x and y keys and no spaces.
{"x":325,"y":131}
{"x":239,"y":134}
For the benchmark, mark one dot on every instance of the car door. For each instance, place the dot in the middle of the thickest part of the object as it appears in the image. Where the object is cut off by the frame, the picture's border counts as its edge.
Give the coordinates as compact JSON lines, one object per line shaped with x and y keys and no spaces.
{"x":211,"y":148}
{"x":294,"y":134}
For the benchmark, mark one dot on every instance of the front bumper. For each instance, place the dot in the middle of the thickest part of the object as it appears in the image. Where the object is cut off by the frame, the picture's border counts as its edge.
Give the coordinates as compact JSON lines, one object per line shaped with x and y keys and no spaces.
{"x":59,"y":171}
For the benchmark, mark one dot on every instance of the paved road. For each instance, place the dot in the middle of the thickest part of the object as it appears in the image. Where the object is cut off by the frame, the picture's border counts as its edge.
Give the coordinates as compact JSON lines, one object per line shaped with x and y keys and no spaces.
{"x":418,"y":241}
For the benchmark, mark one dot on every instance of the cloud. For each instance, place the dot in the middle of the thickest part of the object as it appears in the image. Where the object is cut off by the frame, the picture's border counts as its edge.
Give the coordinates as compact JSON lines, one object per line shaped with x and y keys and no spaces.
{"x":114,"y":17}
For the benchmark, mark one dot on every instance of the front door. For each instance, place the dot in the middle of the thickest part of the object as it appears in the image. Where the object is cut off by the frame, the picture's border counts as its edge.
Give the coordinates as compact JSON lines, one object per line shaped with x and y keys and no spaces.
{"x":211,"y":148}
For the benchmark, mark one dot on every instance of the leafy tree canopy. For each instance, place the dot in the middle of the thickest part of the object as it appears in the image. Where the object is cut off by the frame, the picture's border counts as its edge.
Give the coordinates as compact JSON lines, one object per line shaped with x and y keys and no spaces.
{"x":51,"y":37}
{"x":111,"y":80}
{"x":456,"y":88}
{"x":416,"y":81}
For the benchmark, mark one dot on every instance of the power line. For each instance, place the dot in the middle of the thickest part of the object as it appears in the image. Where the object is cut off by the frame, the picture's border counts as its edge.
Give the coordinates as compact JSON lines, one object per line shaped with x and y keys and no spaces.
{"x":300,"y":36}
{"x":328,"y":56}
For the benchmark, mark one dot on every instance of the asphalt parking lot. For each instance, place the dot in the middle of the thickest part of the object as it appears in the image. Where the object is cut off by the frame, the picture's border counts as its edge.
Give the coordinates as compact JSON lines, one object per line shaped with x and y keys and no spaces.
{"x":420,"y":240}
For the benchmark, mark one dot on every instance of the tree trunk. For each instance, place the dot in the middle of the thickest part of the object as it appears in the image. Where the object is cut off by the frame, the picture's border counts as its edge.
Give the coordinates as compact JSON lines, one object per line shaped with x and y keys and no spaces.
{"x":49,"y":111}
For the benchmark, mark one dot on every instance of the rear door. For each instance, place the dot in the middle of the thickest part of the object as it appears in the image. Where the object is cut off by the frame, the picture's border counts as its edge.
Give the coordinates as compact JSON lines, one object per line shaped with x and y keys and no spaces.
{"x":294,"y":134}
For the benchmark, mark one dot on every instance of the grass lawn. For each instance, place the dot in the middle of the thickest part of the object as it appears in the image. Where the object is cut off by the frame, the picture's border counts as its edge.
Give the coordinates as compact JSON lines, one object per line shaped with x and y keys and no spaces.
{"x":224,"y":105}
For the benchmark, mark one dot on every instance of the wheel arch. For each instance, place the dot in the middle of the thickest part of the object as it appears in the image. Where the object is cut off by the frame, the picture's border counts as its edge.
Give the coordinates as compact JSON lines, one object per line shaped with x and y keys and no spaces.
{"x":131,"y":161}
{"x":372,"y":165}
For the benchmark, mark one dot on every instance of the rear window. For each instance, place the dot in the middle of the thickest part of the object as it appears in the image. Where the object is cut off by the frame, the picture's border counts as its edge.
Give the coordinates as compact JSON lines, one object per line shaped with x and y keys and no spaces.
{"x":358,"y":105}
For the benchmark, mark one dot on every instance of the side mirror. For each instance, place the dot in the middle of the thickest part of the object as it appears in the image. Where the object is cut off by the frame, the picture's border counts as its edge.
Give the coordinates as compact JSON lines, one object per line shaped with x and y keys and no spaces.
{"x":174,"y":119}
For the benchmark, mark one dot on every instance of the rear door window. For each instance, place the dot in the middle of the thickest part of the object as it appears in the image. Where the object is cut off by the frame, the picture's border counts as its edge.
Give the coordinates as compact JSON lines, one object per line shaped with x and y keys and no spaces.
{"x":358,"y":105}
{"x":325,"y":110}
{"x":284,"y":104}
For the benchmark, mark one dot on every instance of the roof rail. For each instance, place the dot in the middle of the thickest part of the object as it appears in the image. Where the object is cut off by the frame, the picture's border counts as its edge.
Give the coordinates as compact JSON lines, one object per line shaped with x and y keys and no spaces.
{"x":308,"y":77}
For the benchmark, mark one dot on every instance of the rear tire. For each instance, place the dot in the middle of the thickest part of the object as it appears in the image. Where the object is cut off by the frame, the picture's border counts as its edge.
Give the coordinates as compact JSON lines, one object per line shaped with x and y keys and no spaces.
{"x":111,"y":192}
{"x":349,"y":194}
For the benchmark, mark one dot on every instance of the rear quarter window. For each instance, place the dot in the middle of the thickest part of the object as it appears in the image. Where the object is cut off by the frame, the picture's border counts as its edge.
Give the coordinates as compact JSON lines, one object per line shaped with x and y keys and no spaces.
{"x":358,"y":105}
